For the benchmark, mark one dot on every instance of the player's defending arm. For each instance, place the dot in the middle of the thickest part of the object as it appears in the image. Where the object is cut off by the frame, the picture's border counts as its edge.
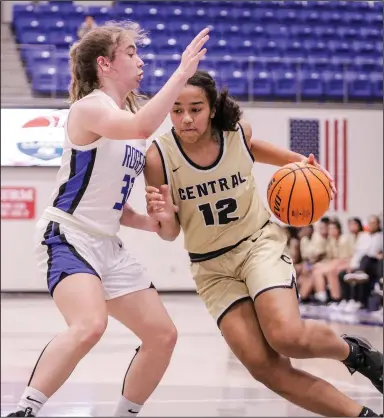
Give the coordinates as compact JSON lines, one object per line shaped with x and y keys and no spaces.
{"x":159,"y":199}
{"x":119,"y":124}
{"x":267,"y":153}
{"x":132,"y":219}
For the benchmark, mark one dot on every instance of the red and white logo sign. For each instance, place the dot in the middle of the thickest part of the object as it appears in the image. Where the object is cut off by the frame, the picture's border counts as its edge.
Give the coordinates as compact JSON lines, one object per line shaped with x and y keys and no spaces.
{"x":18,"y":202}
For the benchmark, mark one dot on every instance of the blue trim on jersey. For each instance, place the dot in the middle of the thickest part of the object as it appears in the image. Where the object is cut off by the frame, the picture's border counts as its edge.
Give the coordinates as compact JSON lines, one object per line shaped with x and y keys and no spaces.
{"x":72,"y":191}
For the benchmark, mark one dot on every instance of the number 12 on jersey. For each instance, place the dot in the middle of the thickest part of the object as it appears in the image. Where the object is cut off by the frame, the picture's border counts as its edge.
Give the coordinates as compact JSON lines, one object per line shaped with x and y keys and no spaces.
{"x":223,"y":208}
{"x":125,"y":191}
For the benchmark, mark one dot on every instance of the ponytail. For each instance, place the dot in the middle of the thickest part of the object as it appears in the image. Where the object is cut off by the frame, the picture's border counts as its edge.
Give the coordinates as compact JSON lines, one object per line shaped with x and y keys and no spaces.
{"x":83,"y":76}
{"x":228,"y":112}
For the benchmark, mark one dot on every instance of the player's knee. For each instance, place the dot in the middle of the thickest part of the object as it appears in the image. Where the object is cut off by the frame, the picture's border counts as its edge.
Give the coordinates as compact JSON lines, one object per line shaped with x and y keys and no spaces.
{"x":268,"y":372}
{"x":168,"y":337}
{"x":289,"y":340}
{"x":89,"y":331}
{"x":162,"y":338}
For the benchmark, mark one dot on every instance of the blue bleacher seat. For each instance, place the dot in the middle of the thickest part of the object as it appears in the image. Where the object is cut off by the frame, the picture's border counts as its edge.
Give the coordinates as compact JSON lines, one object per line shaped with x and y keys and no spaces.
{"x":341,"y":50}
{"x":61,"y":39}
{"x":310,"y":17}
{"x":347,"y":33}
{"x":262,"y":84}
{"x":219,"y":47}
{"x":325,"y":33}
{"x":376,"y":79}
{"x":287,"y":16}
{"x":302,"y":31}
{"x":359,"y":86}
{"x":293,"y":49}
{"x":242,"y":14}
{"x":63,"y":82}
{"x":101,"y":14}
{"x":285,"y":84}
{"x":277,"y":31}
{"x":154,"y":80}
{"x":268,"y":48}
{"x":45,"y":79}
{"x":22,"y":10}
{"x":311,"y":85}
{"x":316,"y":49}
{"x":177,"y":27}
{"x":334,"y":85}
{"x":237,"y":84}
{"x":27,"y":23}
{"x":54,"y":23}
{"x":125,"y":11}
{"x":34,"y":37}
{"x":278,"y":64}
{"x":322,"y":5}
{"x":330,"y":38}
{"x":244,"y":47}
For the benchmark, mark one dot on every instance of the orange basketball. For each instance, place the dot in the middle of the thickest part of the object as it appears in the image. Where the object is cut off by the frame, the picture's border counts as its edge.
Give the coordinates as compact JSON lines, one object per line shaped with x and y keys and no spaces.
{"x":299,"y":194}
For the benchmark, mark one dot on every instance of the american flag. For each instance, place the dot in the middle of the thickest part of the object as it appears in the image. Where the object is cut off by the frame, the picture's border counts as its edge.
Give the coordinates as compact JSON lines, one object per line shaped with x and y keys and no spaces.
{"x":328,"y":140}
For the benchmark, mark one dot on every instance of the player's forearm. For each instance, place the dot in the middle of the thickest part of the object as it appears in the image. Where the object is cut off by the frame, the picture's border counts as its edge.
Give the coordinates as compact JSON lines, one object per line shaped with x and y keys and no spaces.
{"x":135,"y":220}
{"x":169,"y":230}
{"x":267,"y":153}
{"x":153,"y":113}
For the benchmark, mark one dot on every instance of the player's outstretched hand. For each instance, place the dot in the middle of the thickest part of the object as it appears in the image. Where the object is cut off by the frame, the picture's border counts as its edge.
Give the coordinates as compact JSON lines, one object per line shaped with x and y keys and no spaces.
{"x":193,"y":54}
{"x":312,"y":160}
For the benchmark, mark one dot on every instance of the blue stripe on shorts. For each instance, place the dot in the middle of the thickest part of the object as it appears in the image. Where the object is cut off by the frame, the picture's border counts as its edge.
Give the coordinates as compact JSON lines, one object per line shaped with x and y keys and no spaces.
{"x":63,"y":258}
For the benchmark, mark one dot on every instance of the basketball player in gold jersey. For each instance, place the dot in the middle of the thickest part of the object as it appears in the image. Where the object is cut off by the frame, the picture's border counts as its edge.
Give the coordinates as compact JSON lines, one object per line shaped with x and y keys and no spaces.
{"x":240,"y":263}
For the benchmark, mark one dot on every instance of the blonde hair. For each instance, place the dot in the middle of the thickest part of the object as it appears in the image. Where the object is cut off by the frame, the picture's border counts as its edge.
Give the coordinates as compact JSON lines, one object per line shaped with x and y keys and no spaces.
{"x":101,"y":41}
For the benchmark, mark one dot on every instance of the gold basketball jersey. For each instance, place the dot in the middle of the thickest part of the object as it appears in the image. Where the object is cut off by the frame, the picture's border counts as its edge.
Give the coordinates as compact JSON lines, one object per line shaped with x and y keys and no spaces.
{"x":219,"y":205}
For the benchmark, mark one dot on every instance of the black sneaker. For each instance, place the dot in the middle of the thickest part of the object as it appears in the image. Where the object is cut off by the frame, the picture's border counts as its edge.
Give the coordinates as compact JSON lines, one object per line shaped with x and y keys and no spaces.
{"x":367,"y":360}
{"x":26,"y":413}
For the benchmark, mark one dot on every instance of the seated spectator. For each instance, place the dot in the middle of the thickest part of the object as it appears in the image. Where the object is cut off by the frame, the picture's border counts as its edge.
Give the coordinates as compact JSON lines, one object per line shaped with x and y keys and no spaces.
{"x":293,"y":244}
{"x":378,"y":293}
{"x":88,"y":24}
{"x":340,"y":249}
{"x":313,"y":248}
{"x":358,"y":280}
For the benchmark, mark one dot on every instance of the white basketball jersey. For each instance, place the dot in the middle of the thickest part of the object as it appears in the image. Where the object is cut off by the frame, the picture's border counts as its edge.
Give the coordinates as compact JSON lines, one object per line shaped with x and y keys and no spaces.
{"x":94,"y":181}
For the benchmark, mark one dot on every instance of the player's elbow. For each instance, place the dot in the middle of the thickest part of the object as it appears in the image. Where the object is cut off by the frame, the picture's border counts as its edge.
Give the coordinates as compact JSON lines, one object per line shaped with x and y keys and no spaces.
{"x":167,"y":234}
{"x":144,"y":133}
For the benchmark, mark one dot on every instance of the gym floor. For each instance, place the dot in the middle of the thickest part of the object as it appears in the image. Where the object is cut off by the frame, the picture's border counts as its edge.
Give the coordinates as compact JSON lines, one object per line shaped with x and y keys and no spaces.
{"x":204,"y":378}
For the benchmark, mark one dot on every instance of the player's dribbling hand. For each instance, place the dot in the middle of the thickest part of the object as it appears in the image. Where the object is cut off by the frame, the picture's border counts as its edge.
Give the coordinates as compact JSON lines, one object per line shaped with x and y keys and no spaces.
{"x":312,"y":160}
{"x":193,"y":54}
{"x":159,"y":202}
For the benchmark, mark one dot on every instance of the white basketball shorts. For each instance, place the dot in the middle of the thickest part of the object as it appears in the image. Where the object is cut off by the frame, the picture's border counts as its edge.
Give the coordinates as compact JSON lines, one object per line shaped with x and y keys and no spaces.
{"x":62,"y":251}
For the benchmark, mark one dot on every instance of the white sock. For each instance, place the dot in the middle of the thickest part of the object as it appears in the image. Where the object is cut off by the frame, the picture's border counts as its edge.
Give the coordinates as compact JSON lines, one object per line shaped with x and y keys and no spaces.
{"x":32,"y":399}
{"x":126,"y":408}
{"x":321,"y":296}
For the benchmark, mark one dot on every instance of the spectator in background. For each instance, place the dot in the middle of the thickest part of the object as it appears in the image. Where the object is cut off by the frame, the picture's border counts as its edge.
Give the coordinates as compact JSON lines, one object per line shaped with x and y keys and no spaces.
{"x":363,"y":271}
{"x":88,"y":24}
{"x":313,"y":248}
{"x":340,"y":249}
{"x":293,"y":244}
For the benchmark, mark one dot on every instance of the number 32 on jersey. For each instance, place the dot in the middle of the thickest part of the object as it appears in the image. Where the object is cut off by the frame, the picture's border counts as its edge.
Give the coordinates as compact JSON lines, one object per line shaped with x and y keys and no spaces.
{"x":125,"y":191}
{"x":219,"y":213}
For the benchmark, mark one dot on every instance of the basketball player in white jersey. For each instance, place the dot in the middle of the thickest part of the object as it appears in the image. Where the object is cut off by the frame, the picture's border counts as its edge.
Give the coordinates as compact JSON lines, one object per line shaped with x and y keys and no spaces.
{"x":88,"y":271}
{"x":239,"y":259}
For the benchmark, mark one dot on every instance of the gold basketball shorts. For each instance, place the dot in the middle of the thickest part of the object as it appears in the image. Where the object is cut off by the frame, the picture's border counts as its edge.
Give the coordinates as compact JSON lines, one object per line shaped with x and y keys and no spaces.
{"x":260,"y":263}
